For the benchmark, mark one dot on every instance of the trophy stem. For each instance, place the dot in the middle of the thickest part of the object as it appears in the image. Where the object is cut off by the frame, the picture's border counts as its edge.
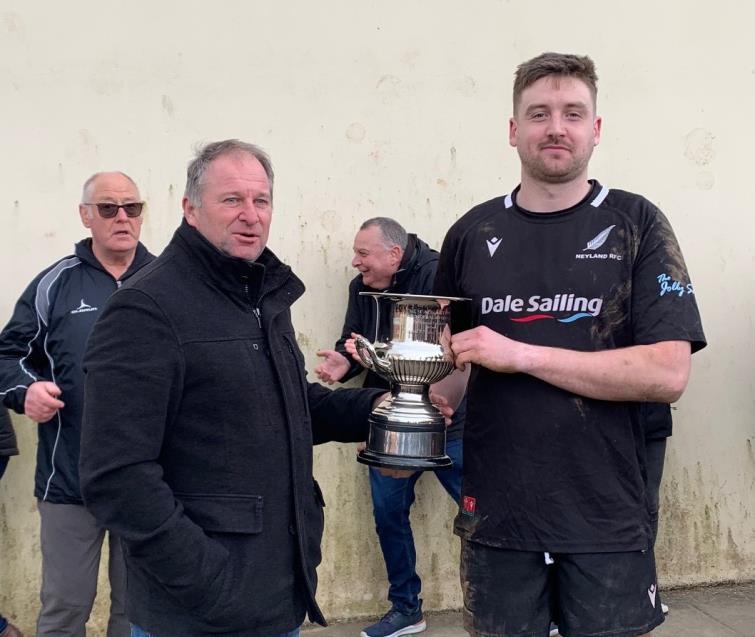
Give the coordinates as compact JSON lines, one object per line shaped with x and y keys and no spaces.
{"x":407,"y":432}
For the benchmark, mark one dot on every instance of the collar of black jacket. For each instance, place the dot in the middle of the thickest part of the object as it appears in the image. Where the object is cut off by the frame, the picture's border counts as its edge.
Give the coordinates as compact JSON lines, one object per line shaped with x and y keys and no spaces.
{"x":230,"y":273}
{"x":142,"y":256}
{"x":407,"y":261}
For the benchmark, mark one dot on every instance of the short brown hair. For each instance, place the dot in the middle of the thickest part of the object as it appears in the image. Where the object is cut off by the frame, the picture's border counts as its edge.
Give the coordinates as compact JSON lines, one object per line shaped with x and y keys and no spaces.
{"x":560,"y":64}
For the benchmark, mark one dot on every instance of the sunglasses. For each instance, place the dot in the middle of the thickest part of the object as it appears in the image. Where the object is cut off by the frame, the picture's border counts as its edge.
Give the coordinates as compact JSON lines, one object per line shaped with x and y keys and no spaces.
{"x":109,"y":210}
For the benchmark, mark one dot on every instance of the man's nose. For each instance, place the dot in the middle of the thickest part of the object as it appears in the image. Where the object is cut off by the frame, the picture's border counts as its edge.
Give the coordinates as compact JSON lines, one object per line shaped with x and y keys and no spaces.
{"x":355,"y":261}
{"x":249,"y":214}
{"x":556,"y":125}
{"x":121,"y":214}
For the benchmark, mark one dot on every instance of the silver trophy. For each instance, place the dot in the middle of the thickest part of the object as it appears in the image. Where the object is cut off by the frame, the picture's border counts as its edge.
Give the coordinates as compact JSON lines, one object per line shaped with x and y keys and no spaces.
{"x":411,"y":351}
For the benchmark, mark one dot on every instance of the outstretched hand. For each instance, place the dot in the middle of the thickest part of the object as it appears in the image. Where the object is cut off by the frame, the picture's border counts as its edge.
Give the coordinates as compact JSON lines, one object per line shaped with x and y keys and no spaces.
{"x":333,"y":367}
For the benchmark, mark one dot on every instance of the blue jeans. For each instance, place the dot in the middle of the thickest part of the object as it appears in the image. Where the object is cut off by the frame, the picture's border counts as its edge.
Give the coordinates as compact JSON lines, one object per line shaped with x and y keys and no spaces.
{"x":391,"y":500}
{"x":138,"y":632}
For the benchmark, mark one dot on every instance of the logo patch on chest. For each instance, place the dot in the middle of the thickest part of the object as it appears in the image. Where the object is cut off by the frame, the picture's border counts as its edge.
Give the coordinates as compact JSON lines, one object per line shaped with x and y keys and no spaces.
{"x":84,"y":307}
{"x":468,"y":505}
{"x":589,"y":251}
{"x":493,"y":245}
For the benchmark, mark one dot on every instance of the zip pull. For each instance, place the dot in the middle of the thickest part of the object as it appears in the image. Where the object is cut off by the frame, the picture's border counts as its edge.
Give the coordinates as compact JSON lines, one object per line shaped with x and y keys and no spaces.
{"x":258,"y":314}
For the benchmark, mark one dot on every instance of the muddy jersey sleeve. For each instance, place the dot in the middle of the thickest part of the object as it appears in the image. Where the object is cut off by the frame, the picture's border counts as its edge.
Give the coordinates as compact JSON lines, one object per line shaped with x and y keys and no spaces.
{"x":663,"y":297}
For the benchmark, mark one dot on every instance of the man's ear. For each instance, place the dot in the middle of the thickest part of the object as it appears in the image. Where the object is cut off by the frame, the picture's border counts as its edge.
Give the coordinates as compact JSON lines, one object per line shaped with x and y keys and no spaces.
{"x":596,"y":130}
{"x":512,"y":131}
{"x":86,"y":218}
{"x":190,"y":212}
{"x":397,"y":253}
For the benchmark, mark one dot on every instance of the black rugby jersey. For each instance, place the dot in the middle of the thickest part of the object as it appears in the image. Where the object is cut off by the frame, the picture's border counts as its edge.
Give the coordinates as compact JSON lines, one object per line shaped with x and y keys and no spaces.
{"x":545,"y":469}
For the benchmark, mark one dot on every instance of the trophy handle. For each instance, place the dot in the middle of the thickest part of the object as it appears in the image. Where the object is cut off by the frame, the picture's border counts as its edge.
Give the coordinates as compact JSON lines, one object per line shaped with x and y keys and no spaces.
{"x":368,"y":356}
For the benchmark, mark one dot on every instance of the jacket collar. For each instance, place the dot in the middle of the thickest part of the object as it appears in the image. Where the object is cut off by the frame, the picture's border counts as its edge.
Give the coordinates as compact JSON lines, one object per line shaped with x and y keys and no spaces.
{"x":230,"y":273}
{"x":408,"y":261}
{"x":83,"y":250}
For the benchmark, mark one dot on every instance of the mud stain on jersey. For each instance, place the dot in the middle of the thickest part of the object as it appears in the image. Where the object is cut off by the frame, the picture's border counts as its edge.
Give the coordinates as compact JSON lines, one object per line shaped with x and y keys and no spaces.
{"x":612,"y":316}
{"x":673,"y":261}
{"x":580,"y":405}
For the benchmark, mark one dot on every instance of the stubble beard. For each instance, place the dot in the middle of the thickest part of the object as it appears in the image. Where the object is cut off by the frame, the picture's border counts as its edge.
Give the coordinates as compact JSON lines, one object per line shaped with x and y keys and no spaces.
{"x":540,"y":169}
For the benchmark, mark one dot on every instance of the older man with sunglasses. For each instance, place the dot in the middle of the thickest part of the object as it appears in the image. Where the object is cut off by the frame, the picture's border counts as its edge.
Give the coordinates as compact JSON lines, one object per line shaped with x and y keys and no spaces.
{"x":41,"y":376}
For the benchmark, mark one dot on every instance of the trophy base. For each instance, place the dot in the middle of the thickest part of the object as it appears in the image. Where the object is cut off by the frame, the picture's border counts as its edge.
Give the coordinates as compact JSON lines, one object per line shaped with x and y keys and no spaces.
{"x":406,"y":432}
{"x":384,"y":461}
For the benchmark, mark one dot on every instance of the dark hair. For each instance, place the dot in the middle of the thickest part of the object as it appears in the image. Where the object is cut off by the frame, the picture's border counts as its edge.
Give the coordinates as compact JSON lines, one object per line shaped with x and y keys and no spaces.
{"x":393,"y":232}
{"x":206,"y":154}
{"x":559,"y":64}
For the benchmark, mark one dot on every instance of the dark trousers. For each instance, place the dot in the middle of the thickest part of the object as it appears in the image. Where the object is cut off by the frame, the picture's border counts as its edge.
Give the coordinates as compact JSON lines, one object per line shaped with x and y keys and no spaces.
{"x":655,"y":455}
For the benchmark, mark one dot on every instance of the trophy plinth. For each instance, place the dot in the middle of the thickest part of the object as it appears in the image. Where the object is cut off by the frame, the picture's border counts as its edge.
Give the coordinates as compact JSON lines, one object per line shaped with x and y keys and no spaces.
{"x":406,"y":430}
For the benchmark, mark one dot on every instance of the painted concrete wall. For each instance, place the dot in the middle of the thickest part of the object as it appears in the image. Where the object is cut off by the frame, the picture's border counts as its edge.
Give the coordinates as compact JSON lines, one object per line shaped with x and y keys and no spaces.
{"x":395,"y":108}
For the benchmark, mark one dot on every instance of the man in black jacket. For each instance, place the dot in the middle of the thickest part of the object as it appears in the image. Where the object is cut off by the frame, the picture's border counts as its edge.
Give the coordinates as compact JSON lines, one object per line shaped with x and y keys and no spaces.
{"x":41,"y":376}
{"x":205,"y":468}
{"x":390,"y":260}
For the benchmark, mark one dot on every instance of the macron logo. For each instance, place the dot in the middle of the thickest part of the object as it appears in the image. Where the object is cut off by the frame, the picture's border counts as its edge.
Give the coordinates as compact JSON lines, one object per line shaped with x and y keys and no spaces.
{"x":83,"y":307}
{"x":493,"y":245}
{"x":651,"y":594}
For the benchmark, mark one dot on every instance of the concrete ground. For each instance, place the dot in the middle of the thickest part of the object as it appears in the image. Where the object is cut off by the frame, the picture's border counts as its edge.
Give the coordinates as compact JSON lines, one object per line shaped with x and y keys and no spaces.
{"x":716,"y":611}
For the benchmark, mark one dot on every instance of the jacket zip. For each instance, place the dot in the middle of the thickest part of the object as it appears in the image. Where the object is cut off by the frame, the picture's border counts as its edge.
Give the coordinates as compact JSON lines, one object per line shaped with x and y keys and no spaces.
{"x":312,"y":607}
{"x":255,"y":310}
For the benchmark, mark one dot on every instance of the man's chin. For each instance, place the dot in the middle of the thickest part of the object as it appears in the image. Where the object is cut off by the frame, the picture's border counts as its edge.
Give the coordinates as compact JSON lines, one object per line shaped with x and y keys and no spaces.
{"x":552,"y":175}
{"x":244,"y":252}
{"x":246,"y":255}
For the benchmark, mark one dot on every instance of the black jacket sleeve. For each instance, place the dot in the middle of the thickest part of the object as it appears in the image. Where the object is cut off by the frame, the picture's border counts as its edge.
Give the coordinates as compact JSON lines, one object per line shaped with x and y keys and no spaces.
{"x":354,"y":321}
{"x":134,"y":378}
{"x":8,"y":446}
{"x":22,"y":356}
{"x":340,"y":415}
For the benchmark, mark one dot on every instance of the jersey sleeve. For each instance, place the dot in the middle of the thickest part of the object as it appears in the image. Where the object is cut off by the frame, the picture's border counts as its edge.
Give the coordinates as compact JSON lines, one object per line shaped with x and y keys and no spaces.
{"x":664,"y":306}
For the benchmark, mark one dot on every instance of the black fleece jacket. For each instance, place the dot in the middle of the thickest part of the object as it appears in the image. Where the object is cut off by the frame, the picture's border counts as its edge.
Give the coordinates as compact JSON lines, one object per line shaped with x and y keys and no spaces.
{"x":197,"y":443}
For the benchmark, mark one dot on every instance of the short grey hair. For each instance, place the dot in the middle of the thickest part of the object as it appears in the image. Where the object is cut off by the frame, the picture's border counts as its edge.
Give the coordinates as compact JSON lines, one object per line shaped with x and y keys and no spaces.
{"x":86,"y":189}
{"x":206,"y":154}
{"x":393,"y":232}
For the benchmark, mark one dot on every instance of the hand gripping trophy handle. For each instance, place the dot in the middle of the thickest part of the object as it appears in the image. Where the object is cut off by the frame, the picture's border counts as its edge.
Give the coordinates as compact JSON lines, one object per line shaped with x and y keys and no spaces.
{"x":369,"y":357}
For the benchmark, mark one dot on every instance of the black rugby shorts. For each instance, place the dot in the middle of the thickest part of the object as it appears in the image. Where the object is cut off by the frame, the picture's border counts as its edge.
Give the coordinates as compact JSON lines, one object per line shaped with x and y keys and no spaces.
{"x":518,"y":593}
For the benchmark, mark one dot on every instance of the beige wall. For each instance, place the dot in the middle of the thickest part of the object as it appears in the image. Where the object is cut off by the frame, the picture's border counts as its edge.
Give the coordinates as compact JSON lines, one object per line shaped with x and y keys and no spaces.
{"x":398,"y":108}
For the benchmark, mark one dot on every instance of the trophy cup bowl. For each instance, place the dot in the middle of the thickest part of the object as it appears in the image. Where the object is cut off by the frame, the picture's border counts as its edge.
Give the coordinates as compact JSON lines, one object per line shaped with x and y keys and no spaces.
{"x":413,"y":351}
